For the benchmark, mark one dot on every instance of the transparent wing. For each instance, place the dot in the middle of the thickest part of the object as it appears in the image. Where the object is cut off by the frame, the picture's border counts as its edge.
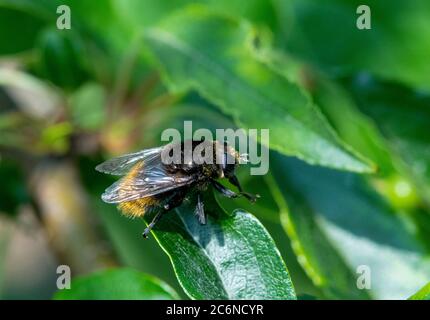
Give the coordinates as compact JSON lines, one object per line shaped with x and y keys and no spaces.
{"x":150,"y":179}
{"x":122,"y":164}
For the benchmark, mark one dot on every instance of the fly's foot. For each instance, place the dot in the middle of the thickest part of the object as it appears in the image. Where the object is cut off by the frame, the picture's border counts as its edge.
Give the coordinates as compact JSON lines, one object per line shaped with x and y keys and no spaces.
{"x":145,"y":233}
{"x":251,"y":197}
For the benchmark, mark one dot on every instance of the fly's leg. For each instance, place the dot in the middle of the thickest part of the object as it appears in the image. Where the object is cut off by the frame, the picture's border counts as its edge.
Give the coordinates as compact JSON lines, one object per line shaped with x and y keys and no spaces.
{"x":152,"y":224}
{"x":175,"y":201}
{"x":235,"y":181}
{"x":223,"y":190}
{"x":200,"y":212}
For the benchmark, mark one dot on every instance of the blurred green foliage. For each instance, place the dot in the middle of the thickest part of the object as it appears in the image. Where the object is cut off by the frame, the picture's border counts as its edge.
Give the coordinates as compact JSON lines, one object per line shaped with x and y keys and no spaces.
{"x":335,"y":99}
{"x":114,"y":284}
{"x":13,"y":188}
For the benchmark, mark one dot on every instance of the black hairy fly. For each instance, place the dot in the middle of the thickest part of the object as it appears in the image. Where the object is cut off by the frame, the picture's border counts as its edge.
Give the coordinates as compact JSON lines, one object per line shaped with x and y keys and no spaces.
{"x":151,"y":183}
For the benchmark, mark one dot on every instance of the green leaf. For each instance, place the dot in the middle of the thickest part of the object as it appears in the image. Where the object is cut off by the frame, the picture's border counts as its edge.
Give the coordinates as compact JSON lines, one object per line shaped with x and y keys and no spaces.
{"x":87,"y":18}
{"x":231,"y":257}
{"x":200,"y":115}
{"x":145,"y":13}
{"x":114,"y":284}
{"x":338,"y":223}
{"x":267,"y":211}
{"x":352,"y":126}
{"x":326,"y":34}
{"x":102,"y":19}
{"x":62,"y":58}
{"x":213,"y":55}
{"x":13,"y":191}
{"x":88,"y":106}
{"x":403,"y":116}
{"x":5,"y":236}
{"x":423,"y":294}
{"x":12,"y":20}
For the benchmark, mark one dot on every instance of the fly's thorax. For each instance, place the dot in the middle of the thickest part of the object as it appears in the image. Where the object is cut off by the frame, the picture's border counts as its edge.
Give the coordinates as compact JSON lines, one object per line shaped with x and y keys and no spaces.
{"x":212,"y":158}
{"x":187,"y":154}
{"x":211,"y":171}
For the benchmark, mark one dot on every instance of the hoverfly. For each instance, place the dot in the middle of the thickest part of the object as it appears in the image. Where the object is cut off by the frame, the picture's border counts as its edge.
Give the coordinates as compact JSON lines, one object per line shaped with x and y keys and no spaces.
{"x":150,"y":185}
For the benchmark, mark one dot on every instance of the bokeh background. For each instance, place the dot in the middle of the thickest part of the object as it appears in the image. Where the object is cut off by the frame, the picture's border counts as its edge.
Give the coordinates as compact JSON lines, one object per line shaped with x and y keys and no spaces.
{"x":69,"y":99}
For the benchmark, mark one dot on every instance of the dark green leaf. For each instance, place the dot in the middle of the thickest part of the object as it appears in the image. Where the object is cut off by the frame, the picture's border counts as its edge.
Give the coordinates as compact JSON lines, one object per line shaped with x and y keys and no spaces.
{"x":102,"y":19}
{"x":267,"y":211}
{"x":403,"y":116}
{"x":62,"y":57}
{"x":144,"y":13}
{"x":12,"y":20}
{"x":352,"y":126}
{"x":13,"y":192}
{"x":231,"y":257}
{"x":200,"y":115}
{"x":115,"y":284}
{"x":338,"y":223}
{"x":326,"y":34}
{"x":213,"y":55}
{"x":5,"y":235}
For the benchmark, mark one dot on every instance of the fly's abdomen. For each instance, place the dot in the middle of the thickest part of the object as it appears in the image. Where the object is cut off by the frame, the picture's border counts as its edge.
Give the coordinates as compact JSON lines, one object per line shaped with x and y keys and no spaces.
{"x":135,"y":208}
{"x":138,"y":208}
